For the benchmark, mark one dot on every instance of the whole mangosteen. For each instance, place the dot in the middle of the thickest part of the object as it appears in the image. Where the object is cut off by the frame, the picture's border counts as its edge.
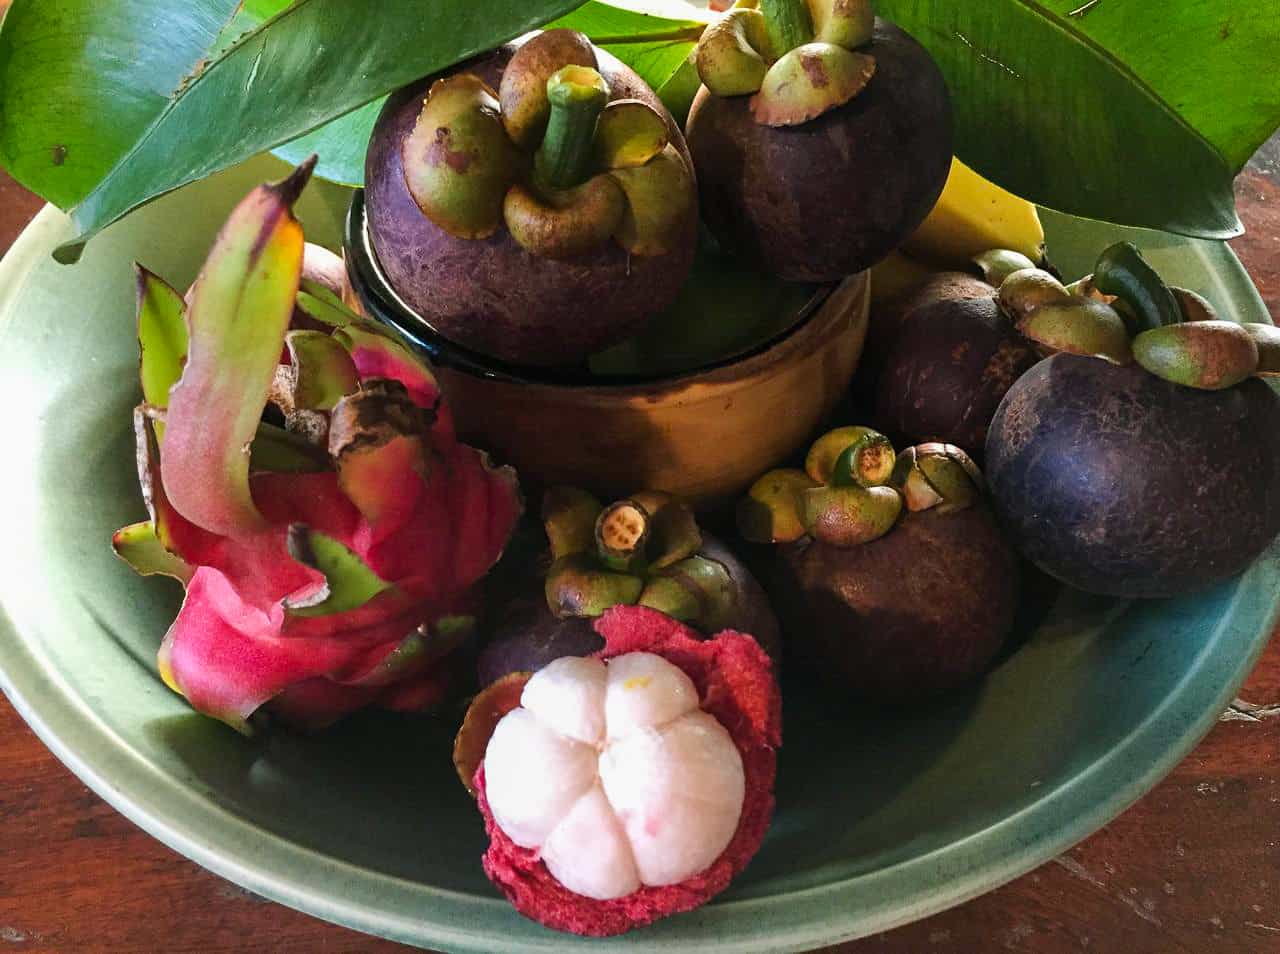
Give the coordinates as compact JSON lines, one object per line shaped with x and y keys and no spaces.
{"x":821,"y":136}
{"x":1118,"y":482}
{"x":1139,"y":459}
{"x":894,"y":581}
{"x":646,"y":550}
{"x":536,"y":204}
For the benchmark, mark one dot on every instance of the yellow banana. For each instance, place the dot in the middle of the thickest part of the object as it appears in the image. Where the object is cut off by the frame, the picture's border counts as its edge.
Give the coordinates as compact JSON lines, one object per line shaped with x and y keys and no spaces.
{"x":972,"y":216}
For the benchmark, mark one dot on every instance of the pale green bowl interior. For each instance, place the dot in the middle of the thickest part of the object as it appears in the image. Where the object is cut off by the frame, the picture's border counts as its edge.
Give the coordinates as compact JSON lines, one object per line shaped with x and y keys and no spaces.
{"x":882,"y":817}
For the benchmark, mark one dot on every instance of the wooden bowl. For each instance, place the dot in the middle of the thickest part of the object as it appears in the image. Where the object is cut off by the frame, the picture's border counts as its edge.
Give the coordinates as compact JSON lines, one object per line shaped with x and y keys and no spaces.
{"x":703,"y":435}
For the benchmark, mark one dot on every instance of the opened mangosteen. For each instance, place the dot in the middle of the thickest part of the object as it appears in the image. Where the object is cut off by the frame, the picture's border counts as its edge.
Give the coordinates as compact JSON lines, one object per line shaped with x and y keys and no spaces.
{"x":821,"y":135}
{"x":892,"y":579}
{"x":536,"y":204}
{"x":1139,"y":460}
{"x":628,"y":785}
{"x":646,"y":550}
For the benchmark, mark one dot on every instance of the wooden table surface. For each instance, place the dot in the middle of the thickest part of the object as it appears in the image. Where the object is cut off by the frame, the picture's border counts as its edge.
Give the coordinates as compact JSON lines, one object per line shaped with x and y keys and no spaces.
{"x":1192,"y":867}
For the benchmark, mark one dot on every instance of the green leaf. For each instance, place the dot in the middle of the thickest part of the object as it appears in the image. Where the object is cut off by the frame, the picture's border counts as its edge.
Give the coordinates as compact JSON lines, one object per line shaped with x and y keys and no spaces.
{"x":726,"y":308}
{"x":340,"y":144}
{"x":249,"y":13}
{"x":162,"y":337}
{"x":82,"y":80}
{"x":1138,"y":112}
{"x":638,"y":35}
{"x":1214,"y":63}
{"x":81,"y":90}
{"x":678,"y":91}
{"x":349,"y":581}
{"x":87,"y":75}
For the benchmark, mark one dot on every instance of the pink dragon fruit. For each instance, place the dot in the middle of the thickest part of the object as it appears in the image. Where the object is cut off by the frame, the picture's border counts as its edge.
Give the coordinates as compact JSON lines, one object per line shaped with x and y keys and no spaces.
{"x":329,"y":564}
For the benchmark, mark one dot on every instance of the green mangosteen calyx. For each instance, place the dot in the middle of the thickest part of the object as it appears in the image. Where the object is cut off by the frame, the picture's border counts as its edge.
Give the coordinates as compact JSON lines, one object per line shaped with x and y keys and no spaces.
{"x":997,"y":264}
{"x":548,"y":156}
{"x":1079,"y":326}
{"x":854,"y":488}
{"x":644,"y":550}
{"x":1209,"y":355}
{"x":1267,"y":340}
{"x":796,"y":58}
{"x":729,"y":58}
{"x":935,"y":475}
{"x":1024,"y":290}
{"x":1078,"y":320}
{"x":1125,"y":311}
{"x":458,"y":160}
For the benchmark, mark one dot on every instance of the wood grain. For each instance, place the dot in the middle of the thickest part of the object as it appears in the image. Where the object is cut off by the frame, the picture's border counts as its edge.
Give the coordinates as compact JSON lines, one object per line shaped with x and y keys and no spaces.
{"x":1194,"y":866}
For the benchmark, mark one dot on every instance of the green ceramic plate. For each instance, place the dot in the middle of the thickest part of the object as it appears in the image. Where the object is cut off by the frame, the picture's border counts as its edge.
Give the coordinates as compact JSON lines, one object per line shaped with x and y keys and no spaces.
{"x":882,"y":818}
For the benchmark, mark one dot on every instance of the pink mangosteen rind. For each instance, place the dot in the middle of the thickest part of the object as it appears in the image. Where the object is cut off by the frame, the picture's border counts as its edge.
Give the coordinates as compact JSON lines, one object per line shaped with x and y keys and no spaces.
{"x":735,"y":683}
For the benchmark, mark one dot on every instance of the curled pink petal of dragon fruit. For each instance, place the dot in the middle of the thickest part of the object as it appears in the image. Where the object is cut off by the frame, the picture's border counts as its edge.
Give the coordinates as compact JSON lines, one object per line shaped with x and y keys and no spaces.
{"x":329,"y":564}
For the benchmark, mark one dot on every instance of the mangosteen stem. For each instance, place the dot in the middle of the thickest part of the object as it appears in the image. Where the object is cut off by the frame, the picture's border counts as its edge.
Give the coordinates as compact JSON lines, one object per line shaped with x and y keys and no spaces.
{"x":787,"y":23}
{"x":867,"y":462}
{"x":846,"y":23}
{"x":577,"y":95}
{"x":1123,"y":272}
{"x":622,"y":533}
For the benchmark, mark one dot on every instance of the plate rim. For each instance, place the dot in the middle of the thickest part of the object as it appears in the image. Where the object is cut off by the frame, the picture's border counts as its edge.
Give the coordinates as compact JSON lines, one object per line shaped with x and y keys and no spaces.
{"x":176,"y":814}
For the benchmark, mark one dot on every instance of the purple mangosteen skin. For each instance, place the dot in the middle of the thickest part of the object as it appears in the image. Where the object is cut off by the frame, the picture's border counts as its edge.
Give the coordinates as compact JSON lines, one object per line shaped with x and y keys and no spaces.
{"x":887,"y":320}
{"x":529,"y":637}
{"x":832,"y":196}
{"x":492,"y":296}
{"x":920,"y":611}
{"x":1117,"y":482}
{"x":951,"y":363}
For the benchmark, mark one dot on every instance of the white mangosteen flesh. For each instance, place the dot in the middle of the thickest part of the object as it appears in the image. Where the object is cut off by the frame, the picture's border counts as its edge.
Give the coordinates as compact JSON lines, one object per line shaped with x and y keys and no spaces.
{"x":613,"y":772}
